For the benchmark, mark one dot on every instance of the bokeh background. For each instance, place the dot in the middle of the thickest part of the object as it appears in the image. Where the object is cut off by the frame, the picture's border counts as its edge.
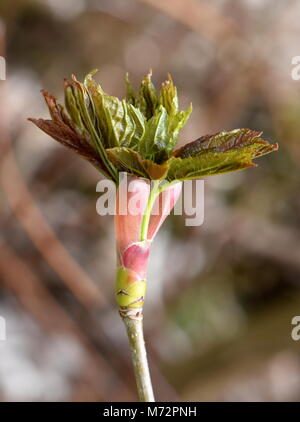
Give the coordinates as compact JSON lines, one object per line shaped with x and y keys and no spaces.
{"x":221,"y":297}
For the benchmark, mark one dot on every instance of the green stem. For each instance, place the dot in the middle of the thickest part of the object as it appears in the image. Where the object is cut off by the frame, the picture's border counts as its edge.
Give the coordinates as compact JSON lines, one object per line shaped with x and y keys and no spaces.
{"x":146,"y":218}
{"x":166,"y":185}
{"x":134,"y":329}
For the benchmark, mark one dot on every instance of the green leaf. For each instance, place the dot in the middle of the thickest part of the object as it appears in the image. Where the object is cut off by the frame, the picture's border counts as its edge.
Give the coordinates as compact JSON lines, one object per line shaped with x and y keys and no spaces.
{"x":147,"y":100}
{"x":176,"y":119}
{"x":223,"y":141}
{"x":168,"y":96}
{"x":130,"y":96}
{"x":139,"y":133}
{"x":120,"y":123}
{"x":216,"y":154}
{"x":109,"y":113}
{"x":138,"y":127}
{"x":176,"y":123}
{"x":204,"y":165}
{"x":63,"y":130}
{"x":126,"y":159}
{"x":156,"y":134}
{"x":85,"y":106}
{"x":73,"y":110}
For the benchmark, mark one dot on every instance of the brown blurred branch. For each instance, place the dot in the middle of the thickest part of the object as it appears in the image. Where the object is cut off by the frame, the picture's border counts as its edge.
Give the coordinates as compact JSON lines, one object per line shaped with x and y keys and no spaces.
{"x":34,"y":297}
{"x":273,"y":241}
{"x":257,"y":235}
{"x":33,"y":222}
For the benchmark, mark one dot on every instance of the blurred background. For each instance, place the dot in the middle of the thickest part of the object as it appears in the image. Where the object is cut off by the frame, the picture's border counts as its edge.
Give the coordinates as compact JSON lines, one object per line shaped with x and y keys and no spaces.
{"x":218,"y":321}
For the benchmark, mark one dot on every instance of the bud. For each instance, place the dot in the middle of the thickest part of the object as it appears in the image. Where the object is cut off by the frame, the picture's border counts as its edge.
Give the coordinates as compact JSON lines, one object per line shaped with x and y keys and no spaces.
{"x":132,"y":201}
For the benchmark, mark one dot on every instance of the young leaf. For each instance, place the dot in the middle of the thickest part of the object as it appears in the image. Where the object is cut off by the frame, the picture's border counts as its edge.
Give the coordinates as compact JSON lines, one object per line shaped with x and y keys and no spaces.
{"x":176,"y":119}
{"x":87,"y":114}
{"x":120,"y":123}
{"x":130,"y":96}
{"x":168,"y":96}
{"x":155,"y":171}
{"x":109,"y":113}
{"x":73,"y":109}
{"x":147,"y":100}
{"x":139,"y":133}
{"x":223,"y":141}
{"x":62,"y":130}
{"x":176,"y":123}
{"x":138,"y":127}
{"x":126,"y":159}
{"x":156,"y":134}
{"x":217,"y":154}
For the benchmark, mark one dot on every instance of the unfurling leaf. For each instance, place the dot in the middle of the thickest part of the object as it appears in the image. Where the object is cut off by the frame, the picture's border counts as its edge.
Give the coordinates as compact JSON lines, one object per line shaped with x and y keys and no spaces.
{"x":64,"y":131}
{"x":75,"y":91}
{"x":223,"y":141}
{"x":176,"y":119}
{"x":168,"y":96}
{"x":147,"y":100}
{"x":138,"y":127}
{"x":120,"y":123}
{"x":155,"y":138}
{"x":109,"y":111}
{"x":126,"y":159}
{"x":176,"y":123}
{"x":219,"y":153}
{"x":130,"y":96}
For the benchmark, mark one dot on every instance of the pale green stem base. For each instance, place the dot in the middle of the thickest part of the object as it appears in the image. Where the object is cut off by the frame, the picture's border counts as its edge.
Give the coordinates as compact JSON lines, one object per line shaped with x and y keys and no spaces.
{"x":134,"y":329}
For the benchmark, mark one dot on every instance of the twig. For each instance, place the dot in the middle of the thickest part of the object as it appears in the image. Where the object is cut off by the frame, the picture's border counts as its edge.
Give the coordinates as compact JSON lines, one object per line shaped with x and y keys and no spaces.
{"x":35,"y":225}
{"x":35,"y":298}
{"x":134,"y":329}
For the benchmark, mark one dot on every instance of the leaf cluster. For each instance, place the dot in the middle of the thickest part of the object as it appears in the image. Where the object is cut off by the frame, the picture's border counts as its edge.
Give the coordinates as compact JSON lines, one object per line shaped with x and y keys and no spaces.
{"x":139,"y":133}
